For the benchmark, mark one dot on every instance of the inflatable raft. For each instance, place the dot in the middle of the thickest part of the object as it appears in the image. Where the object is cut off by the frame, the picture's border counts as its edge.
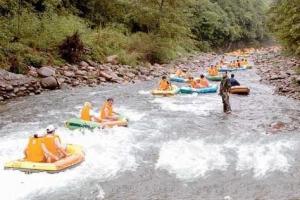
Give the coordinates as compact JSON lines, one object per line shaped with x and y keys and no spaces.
{"x":76,"y":123}
{"x":214,"y":78}
{"x":175,"y":78}
{"x":231,"y":69}
{"x":174,"y":91}
{"x":242,"y":90}
{"x":189,"y":90}
{"x":75,"y":158}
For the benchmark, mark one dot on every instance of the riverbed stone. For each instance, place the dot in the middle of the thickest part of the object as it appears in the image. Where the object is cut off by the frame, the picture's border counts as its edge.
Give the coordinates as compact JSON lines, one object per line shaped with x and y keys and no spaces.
{"x":49,"y":83}
{"x":46,"y":72}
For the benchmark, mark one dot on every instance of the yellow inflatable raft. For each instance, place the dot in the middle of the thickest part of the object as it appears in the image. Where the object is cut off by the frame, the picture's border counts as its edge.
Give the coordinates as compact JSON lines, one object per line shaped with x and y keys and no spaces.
{"x":173,"y":91}
{"x":75,"y":158}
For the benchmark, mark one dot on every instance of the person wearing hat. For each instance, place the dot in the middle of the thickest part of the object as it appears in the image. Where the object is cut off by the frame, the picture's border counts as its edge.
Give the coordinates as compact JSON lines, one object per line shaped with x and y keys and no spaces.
{"x":34,"y":151}
{"x":51,"y":145}
{"x":224,"y":93}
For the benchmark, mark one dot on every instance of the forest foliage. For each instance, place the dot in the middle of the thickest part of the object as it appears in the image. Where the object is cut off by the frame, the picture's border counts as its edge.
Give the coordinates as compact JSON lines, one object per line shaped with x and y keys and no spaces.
{"x":33,"y":32}
{"x":284,"y":22}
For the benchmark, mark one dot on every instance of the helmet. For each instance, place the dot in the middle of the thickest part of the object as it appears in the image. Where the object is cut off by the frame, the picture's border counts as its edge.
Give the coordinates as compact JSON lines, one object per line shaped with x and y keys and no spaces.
{"x":50,"y":129}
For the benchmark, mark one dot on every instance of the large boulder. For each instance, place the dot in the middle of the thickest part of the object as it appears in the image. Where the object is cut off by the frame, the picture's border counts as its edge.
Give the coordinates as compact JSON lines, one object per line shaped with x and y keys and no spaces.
{"x":49,"y":83}
{"x":46,"y":72}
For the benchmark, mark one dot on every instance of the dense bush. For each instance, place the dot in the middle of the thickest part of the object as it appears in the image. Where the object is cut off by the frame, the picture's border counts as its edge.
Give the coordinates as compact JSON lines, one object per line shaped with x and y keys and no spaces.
{"x":72,"y":48}
{"x":38,"y":32}
{"x":284,"y":22}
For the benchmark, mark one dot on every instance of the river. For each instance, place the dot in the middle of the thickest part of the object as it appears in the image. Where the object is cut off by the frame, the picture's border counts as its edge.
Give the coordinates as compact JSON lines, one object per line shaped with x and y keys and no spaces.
{"x":175,"y":148}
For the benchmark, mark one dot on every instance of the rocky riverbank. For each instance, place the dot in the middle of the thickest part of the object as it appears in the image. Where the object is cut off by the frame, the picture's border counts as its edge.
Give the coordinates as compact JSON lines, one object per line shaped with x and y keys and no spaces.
{"x":89,"y":73}
{"x":278,"y":70}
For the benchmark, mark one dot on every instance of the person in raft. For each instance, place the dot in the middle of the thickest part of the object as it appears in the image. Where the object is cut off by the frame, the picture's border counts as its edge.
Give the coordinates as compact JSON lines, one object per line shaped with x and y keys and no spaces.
{"x":233,"y":81}
{"x":179,"y":73}
{"x":192,"y":82}
{"x":212,"y":70}
{"x":106,"y":112}
{"x":85,"y":113}
{"x":202,"y":82}
{"x":164,"y":84}
{"x":45,"y":148}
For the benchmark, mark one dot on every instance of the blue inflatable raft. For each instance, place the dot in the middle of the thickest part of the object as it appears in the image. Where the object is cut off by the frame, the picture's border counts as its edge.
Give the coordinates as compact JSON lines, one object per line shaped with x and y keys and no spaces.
{"x":231,"y":69}
{"x":189,"y":90}
{"x":175,"y":78}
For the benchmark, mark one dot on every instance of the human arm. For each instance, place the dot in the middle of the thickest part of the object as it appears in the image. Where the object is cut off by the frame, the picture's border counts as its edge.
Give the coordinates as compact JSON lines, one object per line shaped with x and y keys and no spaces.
{"x":47,"y":153}
{"x":60,"y":147}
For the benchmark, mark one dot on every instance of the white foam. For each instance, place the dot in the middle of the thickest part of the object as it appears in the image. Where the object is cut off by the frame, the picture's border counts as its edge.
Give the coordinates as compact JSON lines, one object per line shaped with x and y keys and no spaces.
{"x":144,"y":92}
{"x":132,"y":115}
{"x":191,"y":159}
{"x":108,"y":153}
{"x":264,"y":158}
{"x":199,"y":106}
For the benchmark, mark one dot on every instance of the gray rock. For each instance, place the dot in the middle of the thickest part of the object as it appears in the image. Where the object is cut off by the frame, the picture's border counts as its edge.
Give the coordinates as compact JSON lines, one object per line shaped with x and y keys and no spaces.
{"x":298,"y":79}
{"x":83,"y":64}
{"x":80,"y":72}
{"x":46,"y":72}
{"x":9,"y":88}
{"x":49,"y":83}
{"x":69,"y":74}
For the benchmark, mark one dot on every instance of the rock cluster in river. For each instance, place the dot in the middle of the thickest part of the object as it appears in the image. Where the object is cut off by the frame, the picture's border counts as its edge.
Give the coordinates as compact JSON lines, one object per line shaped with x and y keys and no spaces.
{"x":89,"y":73}
{"x":278,"y":70}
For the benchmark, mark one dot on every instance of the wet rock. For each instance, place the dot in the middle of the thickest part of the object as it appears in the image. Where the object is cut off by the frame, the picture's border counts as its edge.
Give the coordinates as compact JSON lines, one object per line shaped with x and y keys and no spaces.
{"x":49,"y":83}
{"x":46,"y":72}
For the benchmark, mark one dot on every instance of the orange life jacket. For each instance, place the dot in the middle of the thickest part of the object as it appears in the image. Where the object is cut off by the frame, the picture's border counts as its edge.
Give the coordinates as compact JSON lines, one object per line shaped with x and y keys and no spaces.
{"x":164,"y":85}
{"x":213,"y":71}
{"x":34,"y":151}
{"x":49,"y":141}
{"x":103,"y":112}
{"x":85,"y":113}
{"x":192,"y":83}
{"x":204,"y":82}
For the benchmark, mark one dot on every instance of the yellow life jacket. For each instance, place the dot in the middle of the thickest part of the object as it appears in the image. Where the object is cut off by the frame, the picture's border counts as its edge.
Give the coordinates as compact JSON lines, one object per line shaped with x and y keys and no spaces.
{"x":85,"y":113}
{"x":34,"y":151}
{"x":49,"y":141}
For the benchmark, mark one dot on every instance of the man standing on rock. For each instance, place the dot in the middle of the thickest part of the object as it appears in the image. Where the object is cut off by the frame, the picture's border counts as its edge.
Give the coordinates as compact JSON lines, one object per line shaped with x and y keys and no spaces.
{"x":224,"y":93}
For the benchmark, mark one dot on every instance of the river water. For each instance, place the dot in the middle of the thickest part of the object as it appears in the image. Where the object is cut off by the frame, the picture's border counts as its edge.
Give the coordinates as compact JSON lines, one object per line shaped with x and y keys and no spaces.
{"x":175,"y":148}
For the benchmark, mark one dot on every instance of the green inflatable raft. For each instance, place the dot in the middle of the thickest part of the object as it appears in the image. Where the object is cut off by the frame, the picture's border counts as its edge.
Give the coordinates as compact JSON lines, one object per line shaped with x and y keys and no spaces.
{"x":76,"y":123}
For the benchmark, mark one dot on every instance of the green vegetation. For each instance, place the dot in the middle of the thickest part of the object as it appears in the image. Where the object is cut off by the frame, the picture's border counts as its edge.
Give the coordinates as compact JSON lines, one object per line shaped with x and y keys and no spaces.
{"x":284,"y":22}
{"x":37,"y":32}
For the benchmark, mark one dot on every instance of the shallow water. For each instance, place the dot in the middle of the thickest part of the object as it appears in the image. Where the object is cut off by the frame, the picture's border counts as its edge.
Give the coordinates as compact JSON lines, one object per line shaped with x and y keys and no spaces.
{"x":180,"y":147}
